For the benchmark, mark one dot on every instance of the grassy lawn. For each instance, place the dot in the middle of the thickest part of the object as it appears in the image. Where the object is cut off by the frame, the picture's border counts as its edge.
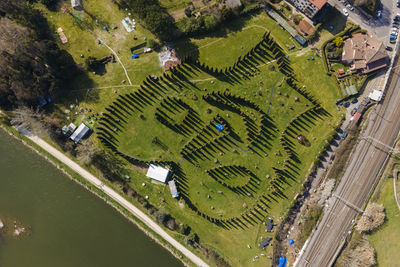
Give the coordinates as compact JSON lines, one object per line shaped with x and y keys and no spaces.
{"x":222,"y":48}
{"x":334,"y":22}
{"x":172,"y":5}
{"x":207,"y":179}
{"x":385,"y":239}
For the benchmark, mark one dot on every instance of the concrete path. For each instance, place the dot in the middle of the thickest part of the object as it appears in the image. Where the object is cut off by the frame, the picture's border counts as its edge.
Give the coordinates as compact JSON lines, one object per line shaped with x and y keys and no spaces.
{"x":395,"y":178}
{"x":115,"y":196}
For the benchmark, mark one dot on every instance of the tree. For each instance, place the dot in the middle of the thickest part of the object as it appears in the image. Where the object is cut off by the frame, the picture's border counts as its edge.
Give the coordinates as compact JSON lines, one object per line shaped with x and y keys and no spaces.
{"x":373,"y":217}
{"x":160,"y":217}
{"x":188,"y":11}
{"x":338,"y":41}
{"x":210,"y":22}
{"x":151,"y":43}
{"x":92,"y":64}
{"x":29,"y":119}
{"x":86,"y":151}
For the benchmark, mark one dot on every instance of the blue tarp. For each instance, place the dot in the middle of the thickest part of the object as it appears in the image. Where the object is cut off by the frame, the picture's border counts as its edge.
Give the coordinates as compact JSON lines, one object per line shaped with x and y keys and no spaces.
{"x":282,"y":262}
{"x":291,"y":241}
{"x":134,"y":56}
{"x":220,"y":127}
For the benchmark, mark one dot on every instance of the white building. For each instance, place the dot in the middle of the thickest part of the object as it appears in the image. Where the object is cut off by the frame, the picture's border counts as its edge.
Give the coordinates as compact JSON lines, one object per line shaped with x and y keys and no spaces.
{"x":158,"y":173}
{"x":79,"y":133}
{"x":308,"y":7}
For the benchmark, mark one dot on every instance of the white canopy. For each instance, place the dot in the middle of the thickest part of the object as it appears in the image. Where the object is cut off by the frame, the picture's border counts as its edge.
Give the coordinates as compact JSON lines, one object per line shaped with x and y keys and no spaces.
{"x":376,"y":95}
{"x":157,"y":173}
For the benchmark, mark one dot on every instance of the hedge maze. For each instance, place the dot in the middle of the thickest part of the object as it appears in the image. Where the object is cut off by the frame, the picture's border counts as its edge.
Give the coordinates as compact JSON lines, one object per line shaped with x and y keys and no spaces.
{"x":230,"y":177}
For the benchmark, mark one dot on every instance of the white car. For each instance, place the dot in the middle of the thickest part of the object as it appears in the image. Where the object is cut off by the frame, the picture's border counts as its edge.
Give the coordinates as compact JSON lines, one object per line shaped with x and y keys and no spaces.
{"x":345,"y":12}
{"x":350,"y":7}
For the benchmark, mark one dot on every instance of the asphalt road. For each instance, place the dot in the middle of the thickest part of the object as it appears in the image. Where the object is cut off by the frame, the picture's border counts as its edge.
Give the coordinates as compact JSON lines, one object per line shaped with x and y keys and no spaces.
{"x":380,"y":27}
{"x":362,"y":172}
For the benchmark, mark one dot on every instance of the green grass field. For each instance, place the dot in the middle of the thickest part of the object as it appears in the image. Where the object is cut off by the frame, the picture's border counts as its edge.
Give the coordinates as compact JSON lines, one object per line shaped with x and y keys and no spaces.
{"x":385,"y":239}
{"x":185,"y":136}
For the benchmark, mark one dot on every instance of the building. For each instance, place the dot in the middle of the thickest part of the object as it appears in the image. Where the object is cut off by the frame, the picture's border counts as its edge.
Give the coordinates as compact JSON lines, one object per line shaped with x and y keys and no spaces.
{"x":77,"y":4}
{"x":68,"y":130}
{"x":80,"y":133}
{"x":305,"y":28}
{"x":158,"y":173}
{"x":309,"y":7}
{"x":172,"y":188}
{"x":364,"y":53}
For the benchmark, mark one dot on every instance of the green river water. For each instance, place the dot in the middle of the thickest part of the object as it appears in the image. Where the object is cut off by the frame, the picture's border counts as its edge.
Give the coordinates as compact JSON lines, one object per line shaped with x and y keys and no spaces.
{"x":69,"y":225}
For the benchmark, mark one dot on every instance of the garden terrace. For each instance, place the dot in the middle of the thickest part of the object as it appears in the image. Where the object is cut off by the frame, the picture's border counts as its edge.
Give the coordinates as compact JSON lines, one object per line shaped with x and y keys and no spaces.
{"x":172,"y":121}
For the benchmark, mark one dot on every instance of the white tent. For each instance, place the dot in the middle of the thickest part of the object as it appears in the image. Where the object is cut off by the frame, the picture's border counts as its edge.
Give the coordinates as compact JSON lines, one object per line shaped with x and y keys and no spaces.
{"x":157,"y":173}
{"x":79,"y":133}
{"x":376,"y":95}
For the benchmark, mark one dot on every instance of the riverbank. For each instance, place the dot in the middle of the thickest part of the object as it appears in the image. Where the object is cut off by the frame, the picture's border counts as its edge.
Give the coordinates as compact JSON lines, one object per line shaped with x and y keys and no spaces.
{"x":112,"y":198}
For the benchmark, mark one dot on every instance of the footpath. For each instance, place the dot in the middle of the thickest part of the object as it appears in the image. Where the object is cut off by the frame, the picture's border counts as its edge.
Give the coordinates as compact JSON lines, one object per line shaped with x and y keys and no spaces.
{"x":115,"y":196}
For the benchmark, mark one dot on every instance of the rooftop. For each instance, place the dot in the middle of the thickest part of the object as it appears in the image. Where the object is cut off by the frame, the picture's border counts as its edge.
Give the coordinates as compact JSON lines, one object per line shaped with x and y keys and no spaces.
{"x":318,"y":3}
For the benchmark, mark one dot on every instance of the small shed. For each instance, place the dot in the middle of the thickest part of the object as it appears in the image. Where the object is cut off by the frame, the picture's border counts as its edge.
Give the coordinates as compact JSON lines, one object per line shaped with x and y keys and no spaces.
{"x":158,"y":173}
{"x":68,"y":130}
{"x":80,"y":133}
{"x":172,"y":188}
{"x":77,"y":4}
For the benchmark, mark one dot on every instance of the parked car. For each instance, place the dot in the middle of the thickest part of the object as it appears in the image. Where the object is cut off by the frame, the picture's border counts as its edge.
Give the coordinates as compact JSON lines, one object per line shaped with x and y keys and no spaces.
{"x":379,"y":14}
{"x":345,"y":12}
{"x":396,"y":25}
{"x":344,"y":135}
{"x":350,"y":7}
{"x":392,"y":38}
{"x":389,"y":48}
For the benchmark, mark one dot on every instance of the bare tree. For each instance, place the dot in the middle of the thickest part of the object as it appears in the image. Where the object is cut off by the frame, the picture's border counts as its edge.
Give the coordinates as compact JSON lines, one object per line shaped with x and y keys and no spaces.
{"x":373,"y":217}
{"x":29,"y":119}
{"x":86,"y":151}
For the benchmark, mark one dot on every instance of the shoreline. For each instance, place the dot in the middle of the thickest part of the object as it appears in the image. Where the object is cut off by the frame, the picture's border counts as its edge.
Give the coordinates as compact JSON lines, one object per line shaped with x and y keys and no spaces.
{"x":118,"y":208}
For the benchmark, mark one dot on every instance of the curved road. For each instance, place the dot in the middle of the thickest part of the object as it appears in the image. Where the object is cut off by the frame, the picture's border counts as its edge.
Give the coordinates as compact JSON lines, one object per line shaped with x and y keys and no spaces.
{"x":362,"y":172}
{"x":114,"y":195}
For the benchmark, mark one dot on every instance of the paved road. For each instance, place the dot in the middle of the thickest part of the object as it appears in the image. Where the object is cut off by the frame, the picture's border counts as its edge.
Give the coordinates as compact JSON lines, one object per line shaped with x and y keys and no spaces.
{"x":380,"y":27}
{"x":114,"y":195}
{"x":362,"y":172}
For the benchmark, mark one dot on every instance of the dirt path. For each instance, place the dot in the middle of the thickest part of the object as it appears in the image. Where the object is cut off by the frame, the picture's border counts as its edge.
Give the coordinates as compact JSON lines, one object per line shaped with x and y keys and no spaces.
{"x":115,"y":196}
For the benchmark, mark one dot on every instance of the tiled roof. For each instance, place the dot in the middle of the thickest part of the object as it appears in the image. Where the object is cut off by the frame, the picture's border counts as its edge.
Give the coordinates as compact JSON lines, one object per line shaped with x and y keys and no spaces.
{"x":318,"y":3}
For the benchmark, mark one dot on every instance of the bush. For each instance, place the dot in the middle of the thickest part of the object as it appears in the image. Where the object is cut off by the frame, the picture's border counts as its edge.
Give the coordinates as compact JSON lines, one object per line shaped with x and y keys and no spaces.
{"x":151,"y":43}
{"x":160,"y":217}
{"x":297,"y":18}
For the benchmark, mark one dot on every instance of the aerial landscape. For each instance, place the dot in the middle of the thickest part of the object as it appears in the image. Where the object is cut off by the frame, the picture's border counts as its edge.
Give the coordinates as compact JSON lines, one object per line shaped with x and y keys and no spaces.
{"x":199,"y":133}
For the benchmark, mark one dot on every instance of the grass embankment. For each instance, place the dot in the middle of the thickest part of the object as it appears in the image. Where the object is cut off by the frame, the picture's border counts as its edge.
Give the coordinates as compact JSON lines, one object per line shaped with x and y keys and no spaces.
{"x":220,"y":49}
{"x":385,"y":240}
{"x":346,"y":147}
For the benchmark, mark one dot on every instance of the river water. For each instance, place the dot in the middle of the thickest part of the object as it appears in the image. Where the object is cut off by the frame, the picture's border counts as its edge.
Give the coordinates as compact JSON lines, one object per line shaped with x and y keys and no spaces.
{"x":69,"y":225}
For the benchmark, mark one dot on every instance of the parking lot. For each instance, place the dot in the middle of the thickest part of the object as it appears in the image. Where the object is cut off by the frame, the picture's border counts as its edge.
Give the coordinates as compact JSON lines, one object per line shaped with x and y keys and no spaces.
{"x":380,"y":27}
